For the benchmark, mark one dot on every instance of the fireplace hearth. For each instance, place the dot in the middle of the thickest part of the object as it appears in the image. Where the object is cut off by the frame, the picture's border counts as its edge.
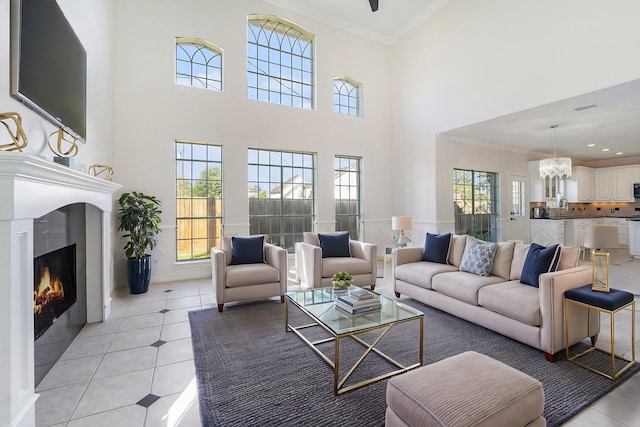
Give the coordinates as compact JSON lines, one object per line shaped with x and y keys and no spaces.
{"x":54,"y":289}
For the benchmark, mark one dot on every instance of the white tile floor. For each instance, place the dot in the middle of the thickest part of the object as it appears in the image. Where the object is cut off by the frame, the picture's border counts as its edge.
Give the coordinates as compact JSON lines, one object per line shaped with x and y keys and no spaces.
{"x":113,"y":371}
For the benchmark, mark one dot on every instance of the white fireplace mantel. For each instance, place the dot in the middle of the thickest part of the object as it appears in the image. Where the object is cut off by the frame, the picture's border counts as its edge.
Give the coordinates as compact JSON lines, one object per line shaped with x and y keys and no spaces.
{"x":31,"y":187}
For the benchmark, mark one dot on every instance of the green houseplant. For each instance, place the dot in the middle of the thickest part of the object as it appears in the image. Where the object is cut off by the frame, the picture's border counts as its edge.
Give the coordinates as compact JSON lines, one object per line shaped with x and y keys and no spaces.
{"x":139,"y":218}
{"x":341,"y":279}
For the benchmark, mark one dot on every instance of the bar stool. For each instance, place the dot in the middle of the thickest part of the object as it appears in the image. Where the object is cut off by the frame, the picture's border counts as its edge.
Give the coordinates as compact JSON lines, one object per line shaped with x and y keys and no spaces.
{"x":611,"y":303}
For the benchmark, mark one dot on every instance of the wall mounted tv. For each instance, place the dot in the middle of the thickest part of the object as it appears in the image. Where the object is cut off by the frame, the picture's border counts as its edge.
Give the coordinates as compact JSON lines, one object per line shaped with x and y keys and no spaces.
{"x":49,"y":65}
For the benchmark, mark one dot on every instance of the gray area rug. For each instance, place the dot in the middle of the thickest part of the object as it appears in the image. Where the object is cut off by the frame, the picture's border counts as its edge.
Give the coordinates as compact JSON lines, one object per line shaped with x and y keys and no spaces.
{"x":251,"y":372}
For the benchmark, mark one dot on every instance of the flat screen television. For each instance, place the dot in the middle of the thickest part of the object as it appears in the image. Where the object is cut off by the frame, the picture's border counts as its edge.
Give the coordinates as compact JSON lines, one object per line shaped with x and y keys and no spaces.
{"x":49,"y":65}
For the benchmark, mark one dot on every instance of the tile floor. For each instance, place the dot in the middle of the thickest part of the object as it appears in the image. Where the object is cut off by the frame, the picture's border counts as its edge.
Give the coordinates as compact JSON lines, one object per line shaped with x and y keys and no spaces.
{"x":136,"y":369}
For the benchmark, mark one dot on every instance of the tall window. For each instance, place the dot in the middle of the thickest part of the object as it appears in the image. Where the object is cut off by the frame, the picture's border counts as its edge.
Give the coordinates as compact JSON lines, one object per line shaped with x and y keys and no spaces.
{"x":280,"y":195}
{"x":346,"y":178}
{"x":198,"y":199}
{"x":198,"y":63}
{"x":475,"y":202}
{"x":279,"y":62}
{"x":346,"y":96}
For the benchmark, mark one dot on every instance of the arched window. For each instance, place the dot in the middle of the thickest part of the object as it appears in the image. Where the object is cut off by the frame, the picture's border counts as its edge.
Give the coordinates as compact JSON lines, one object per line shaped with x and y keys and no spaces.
{"x":198,"y":64}
{"x":346,"y":96}
{"x":279,"y":62}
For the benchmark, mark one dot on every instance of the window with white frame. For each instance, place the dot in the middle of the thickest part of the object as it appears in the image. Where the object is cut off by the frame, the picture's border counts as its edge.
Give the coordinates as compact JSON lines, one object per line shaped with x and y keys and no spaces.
{"x":346,"y":178}
{"x":280,"y":57}
{"x":198,"y":199}
{"x":281,"y":195}
{"x":346,"y":96}
{"x":198,"y":63}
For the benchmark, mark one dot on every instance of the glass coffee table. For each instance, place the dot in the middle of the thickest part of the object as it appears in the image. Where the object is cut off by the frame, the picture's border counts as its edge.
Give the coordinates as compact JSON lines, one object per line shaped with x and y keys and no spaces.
{"x":318,"y":304}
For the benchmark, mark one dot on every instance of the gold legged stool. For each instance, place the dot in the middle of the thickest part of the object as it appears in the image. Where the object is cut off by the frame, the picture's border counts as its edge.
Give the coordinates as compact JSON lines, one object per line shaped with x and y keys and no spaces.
{"x":604,"y":302}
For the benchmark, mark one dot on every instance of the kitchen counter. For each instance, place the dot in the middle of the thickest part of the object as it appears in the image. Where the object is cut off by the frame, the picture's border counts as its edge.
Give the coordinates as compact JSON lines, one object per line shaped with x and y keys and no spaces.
{"x":556,"y":218}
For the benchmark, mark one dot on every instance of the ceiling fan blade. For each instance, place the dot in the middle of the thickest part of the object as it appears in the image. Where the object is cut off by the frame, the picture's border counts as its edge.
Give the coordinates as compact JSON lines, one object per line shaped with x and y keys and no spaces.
{"x":374,"y":5}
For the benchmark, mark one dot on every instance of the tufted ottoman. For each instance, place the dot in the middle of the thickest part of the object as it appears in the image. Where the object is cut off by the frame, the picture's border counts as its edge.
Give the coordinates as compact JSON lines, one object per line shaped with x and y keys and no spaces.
{"x":469,"y":389}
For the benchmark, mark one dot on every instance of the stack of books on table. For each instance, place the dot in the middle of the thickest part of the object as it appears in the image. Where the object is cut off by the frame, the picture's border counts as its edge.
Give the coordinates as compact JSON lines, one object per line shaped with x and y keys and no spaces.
{"x":358,"y":301}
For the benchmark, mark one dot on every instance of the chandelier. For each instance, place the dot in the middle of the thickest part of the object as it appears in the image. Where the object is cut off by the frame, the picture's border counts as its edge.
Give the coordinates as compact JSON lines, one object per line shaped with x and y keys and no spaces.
{"x":555,"y":167}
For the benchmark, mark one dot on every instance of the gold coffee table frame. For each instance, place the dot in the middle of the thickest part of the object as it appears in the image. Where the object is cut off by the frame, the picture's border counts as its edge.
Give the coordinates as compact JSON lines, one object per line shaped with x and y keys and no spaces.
{"x":322,"y":311}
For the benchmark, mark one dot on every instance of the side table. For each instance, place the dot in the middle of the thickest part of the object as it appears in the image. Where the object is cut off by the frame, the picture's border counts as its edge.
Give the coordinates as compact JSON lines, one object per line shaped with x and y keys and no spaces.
{"x":610,"y":303}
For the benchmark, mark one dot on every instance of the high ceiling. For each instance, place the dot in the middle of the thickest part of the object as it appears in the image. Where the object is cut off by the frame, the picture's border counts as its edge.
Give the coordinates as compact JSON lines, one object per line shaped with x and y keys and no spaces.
{"x":390,"y":22}
{"x":612,"y":122}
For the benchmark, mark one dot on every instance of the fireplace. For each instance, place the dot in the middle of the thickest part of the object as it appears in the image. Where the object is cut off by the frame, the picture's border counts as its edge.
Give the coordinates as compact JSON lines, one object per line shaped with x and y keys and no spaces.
{"x":54,"y":287}
{"x":34,"y":188}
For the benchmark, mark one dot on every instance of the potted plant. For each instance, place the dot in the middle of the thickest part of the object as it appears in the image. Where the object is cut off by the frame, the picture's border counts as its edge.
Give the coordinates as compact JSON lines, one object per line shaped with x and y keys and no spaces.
{"x":139,"y":217}
{"x":341,"y":280}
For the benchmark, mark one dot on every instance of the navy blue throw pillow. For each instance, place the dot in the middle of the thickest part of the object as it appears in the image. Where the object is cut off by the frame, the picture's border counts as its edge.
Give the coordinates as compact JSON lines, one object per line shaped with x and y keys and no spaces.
{"x":436,"y":248}
{"x":334,"y":245}
{"x":539,"y":260}
{"x":247,"y":250}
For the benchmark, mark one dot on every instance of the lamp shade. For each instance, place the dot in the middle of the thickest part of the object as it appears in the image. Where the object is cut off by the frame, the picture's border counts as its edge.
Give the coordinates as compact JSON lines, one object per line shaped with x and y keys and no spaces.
{"x":401,"y":223}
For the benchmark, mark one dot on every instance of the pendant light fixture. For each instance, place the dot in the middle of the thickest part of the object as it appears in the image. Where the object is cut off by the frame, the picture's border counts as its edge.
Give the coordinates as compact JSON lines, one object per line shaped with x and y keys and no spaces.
{"x":555,"y":167}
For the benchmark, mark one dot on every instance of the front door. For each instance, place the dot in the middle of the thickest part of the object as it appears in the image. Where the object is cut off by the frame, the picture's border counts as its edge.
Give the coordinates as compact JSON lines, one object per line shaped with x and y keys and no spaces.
{"x":518,"y":225}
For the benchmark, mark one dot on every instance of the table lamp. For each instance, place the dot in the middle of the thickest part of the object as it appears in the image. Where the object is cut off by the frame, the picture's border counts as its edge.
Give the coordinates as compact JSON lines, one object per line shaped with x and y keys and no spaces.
{"x":401,"y":223}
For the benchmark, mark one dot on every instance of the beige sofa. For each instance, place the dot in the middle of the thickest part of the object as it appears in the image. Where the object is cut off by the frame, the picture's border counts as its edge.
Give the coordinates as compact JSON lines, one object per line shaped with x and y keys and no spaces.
{"x":531,"y":315}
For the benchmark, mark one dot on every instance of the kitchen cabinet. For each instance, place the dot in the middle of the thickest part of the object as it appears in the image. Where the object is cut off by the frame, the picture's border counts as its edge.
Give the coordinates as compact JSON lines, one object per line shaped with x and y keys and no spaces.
{"x":547,"y":232}
{"x":634,"y":238}
{"x":575,"y":231}
{"x":635,"y":174}
{"x":613,"y":185}
{"x":579,"y":188}
{"x":623,"y":230}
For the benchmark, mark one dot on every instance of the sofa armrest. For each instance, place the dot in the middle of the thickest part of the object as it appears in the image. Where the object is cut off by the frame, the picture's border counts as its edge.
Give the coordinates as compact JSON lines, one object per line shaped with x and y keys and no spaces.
{"x":406,"y":255}
{"x":218,"y":267}
{"x":276,"y":257}
{"x":367,"y":252}
{"x":308,"y":264}
{"x":552,"y":288}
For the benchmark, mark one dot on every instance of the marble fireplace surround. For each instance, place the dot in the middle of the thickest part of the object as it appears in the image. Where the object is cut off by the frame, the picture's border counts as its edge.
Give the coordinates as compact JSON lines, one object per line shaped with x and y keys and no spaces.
{"x":31,"y":187}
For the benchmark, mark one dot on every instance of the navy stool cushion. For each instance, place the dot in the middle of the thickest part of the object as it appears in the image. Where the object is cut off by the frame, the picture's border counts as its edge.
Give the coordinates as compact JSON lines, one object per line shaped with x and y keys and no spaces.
{"x":611,"y":301}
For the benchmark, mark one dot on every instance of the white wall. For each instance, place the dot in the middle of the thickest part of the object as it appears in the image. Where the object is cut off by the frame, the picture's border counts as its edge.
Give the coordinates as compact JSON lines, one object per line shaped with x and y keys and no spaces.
{"x":472,"y":61}
{"x":92,"y":21}
{"x":152,"y":112}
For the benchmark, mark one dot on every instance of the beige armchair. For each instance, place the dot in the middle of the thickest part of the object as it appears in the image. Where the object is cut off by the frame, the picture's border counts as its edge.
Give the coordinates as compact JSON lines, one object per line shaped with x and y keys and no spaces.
{"x":315,"y":271}
{"x":247,"y":280}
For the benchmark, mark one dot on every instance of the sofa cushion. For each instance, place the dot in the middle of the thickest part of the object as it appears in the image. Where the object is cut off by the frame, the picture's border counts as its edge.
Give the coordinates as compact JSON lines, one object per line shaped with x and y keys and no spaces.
{"x":436,"y":248}
{"x":520,"y":251}
{"x":456,"y":249}
{"x":478,"y":257}
{"x":539,"y":260}
{"x":461,"y":285}
{"x":421,"y":273}
{"x":334,"y":245}
{"x":351,"y":265}
{"x":247,"y":250}
{"x":569,"y":257}
{"x":251,"y":274}
{"x":514,"y":300}
{"x":311,"y":238}
{"x":503,"y":260}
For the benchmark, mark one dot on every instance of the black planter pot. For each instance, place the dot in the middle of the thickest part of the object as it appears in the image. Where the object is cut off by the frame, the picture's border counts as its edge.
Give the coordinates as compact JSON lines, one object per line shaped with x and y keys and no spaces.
{"x":139,"y":274}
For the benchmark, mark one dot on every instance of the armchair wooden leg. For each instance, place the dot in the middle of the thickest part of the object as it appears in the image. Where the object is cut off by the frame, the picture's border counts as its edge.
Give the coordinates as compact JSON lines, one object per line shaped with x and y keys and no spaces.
{"x":397,"y":294}
{"x":551,"y":357}
{"x":282,"y":299}
{"x":373,"y":286}
{"x":594,"y":339}
{"x":220,"y":307}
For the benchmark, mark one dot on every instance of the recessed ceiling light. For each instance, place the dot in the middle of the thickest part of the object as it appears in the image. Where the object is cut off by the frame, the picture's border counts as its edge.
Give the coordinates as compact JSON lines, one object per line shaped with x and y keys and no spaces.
{"x":619,"y":152}
{"x":591,"y":145}
{"x":605,"y":149}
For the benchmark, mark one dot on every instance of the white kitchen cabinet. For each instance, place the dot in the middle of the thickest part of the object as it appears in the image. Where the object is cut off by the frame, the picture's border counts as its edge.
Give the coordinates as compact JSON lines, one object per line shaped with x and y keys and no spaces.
{"x":542,"y":190}
{"x":579,"y":188}
{"x":634,"y":238}
{"x":575,"y":231}
{"x":623,"y":229}
{"x":635,"y":174}
{"x":547,"y":232}
{"x":613,"y":185}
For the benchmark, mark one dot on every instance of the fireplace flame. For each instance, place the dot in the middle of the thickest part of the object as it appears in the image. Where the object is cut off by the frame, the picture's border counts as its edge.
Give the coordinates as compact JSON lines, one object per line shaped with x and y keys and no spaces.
{"x":48,"y":290}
